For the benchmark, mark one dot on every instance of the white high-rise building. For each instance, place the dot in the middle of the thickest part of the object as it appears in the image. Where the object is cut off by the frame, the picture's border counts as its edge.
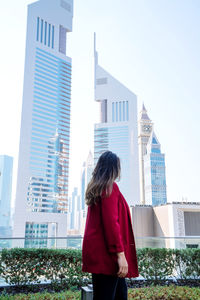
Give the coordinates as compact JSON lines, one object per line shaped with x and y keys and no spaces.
{"x":117,"y":130}
{"x":42,"y":183}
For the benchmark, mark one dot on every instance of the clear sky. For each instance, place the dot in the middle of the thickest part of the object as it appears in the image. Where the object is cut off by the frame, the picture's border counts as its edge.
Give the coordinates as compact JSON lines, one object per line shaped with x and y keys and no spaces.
{"x":152,"y":46}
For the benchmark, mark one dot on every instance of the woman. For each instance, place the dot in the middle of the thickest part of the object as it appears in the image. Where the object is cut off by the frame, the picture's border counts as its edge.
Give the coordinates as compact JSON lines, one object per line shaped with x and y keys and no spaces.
{"x":108,"y":246}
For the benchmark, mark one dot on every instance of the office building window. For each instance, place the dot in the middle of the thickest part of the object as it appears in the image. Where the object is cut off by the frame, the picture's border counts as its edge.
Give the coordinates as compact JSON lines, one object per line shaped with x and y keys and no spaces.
{"x":52,"y":37}
{"x":113,"y":112}
{"x":116,"y":111}
{"x":127,"y":111}
{"x":123,"y":110}
{"x":120,"y":111}
{"x":49,"y":36}
{"x":38,"y":26}
{"x":41,"y":36}
{"x":45,"y":33}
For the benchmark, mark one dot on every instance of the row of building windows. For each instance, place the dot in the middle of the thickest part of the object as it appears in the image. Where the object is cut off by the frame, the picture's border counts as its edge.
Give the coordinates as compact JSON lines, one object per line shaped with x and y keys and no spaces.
{"x":120,"y":111}
{"x":112,"y":138}
{"x":45,"y":33}
{"x":49,"y":157}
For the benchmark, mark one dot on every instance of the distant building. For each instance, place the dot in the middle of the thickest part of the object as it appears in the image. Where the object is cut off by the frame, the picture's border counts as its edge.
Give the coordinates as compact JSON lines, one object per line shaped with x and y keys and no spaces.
{"x":74,"y":211}
{"x":145,"y":127}
{"x":153,"y":190}
{"x":6,"y":170}
{"x":43,"y":167}
{"x":176,"y":219}
{"x":154,"y":173}
{"x":117,"y":130}
{"x":86,"y":175}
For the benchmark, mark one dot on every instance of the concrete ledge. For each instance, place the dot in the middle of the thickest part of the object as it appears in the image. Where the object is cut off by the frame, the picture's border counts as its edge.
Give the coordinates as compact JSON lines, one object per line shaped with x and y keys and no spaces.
{"x":87,"y":292}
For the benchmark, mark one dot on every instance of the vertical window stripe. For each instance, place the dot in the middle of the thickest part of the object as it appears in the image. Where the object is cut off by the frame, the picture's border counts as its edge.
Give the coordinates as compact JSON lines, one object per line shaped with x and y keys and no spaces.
{"x":52,"y":42}
{"x":38,"y":25}
{"x":116,"y":111}
{"x":127,"y":112}
{"x":113,"y":112}
{"x":120,"y":111}
{"x":45,"y":33}
{"x":41,"y":36}
{"x":123,"y":110}
{"x":49,"y":36}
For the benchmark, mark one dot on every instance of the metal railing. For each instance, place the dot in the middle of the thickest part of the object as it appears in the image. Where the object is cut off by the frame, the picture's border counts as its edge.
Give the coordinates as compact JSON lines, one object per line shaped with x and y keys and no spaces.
{"x":76,"y":242}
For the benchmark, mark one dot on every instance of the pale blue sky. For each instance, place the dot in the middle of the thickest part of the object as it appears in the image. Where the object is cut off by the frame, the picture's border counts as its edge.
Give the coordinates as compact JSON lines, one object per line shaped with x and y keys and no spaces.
{"x":152,"y":46}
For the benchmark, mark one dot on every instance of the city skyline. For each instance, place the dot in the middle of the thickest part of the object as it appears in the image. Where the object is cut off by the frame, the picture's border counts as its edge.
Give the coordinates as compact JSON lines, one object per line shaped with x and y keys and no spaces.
{"x":160,"y":64}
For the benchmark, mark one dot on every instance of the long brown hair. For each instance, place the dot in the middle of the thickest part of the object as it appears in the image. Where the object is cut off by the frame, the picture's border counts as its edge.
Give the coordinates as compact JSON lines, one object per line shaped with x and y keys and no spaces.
{"x":106,"y":171}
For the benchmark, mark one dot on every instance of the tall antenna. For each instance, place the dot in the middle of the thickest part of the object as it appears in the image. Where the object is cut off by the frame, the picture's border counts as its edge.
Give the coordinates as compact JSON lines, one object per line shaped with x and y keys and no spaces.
{"x":95,"y":50}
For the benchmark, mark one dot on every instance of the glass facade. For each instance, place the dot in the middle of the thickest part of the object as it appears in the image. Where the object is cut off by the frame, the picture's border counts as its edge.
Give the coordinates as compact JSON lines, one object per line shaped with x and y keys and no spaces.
{"x":120,"y":111}
{"x":36,"y":235}
{"x":115,"y":139}
{"x":44,"y":31}
{"x":155,"y":179}
{"x":49,"y":153}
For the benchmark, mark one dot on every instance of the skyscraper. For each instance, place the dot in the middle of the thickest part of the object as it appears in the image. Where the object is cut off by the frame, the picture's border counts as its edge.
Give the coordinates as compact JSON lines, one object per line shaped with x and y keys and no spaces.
{"x":154,"y":172}
{"x":145,"y":127}
{"x":152,"y":163}
{"x":117,"y":130}
{"x":74,"y":213}
{"x":42,"y":183}
{"x":6,"y":169}
{"x":86,"y":175}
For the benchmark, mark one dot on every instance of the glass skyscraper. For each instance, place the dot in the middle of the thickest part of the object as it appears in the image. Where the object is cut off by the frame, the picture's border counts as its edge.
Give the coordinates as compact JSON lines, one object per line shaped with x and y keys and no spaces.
{"x":154,"y":170}
{"x":117,"y":130}
{"x":42,"y":184}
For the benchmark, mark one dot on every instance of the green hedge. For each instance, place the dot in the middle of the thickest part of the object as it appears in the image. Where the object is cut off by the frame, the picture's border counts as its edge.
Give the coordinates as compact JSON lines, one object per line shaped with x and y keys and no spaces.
{"x":19,"y":266}
{"x":158,"y":264}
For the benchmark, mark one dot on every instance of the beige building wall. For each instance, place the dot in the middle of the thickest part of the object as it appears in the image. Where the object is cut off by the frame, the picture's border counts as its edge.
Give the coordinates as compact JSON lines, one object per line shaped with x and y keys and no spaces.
{"x":142,"y":219}
{"x":167,"y":221}
{"x":161,"y":221}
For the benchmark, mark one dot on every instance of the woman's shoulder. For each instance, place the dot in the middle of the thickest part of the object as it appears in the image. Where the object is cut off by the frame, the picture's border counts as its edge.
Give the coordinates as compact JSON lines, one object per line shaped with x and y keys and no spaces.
{"x":115,"y":187}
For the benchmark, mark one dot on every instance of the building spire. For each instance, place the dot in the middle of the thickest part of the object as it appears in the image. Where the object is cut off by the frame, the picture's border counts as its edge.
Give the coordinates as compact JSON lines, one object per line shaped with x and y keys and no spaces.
{"x":95,"y":50}
{"x":143,"y":113}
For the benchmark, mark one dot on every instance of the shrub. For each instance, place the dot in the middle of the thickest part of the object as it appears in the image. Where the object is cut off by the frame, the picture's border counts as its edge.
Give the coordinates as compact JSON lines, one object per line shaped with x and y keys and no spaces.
{"x":158,"y":264}
{"x":62,"y":267}
{"x":22,"y":266}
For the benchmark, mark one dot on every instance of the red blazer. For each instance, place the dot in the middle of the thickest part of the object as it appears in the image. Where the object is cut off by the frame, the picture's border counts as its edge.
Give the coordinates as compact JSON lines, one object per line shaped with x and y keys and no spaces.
{"x":108,"y":231}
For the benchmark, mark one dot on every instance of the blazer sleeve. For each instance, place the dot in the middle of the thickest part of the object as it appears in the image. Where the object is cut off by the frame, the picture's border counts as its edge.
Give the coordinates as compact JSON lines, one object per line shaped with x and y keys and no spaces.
{"x":110,"y":219}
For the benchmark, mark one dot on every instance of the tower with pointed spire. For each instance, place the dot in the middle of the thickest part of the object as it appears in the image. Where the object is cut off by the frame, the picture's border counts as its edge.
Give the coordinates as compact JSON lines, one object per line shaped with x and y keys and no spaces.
{"x":145,"y":126}
{"x":117,"y":130}
{"x":154,"y":171}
